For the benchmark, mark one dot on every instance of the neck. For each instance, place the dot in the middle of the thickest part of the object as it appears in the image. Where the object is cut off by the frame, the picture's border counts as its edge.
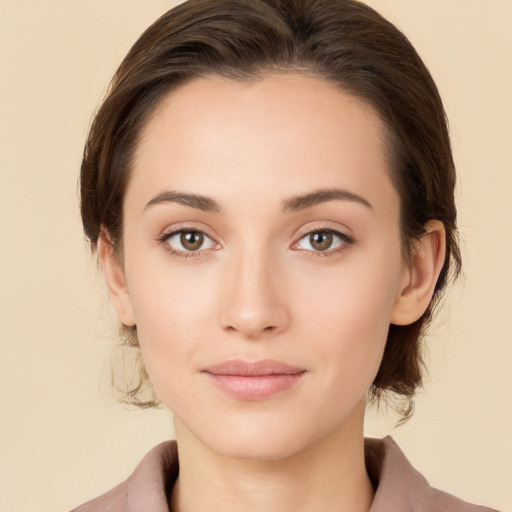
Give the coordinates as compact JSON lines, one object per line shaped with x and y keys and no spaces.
{"x":329,"y":474}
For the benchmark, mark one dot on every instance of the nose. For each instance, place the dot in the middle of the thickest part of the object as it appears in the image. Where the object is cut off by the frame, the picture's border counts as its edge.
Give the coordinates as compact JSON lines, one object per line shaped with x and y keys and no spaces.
{"x":253,"y":297}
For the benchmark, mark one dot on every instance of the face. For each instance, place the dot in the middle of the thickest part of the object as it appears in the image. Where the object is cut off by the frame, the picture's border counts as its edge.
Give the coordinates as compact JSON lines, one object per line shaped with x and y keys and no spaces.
{"x":262,"y":260}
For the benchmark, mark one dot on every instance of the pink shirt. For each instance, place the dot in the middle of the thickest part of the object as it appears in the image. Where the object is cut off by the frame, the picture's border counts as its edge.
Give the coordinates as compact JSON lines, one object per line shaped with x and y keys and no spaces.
{"x":399,"y":487}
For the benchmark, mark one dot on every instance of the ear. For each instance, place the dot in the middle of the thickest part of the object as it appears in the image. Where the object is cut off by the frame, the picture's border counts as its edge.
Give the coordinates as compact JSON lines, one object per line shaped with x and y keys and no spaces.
{"x":427,"y":259}
{"x":115,"y":281}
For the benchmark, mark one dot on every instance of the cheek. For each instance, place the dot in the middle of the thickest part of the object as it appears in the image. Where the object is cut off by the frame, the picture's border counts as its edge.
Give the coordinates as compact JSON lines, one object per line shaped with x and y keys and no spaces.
{"x":171,"y":310}
{"x":349,"y":316}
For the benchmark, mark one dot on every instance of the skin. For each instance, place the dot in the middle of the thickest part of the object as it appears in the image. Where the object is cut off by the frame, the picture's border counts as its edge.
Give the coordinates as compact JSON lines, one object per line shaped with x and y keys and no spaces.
{"x":257,"y":288}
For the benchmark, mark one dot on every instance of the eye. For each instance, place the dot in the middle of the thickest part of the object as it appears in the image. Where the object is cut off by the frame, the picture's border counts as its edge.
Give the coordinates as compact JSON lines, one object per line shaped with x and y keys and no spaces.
{"x":323,"y":241}
{"x":189,"y":240}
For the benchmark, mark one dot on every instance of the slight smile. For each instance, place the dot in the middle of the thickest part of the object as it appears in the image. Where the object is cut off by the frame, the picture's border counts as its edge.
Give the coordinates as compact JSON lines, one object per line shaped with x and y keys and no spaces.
{"x":254,"y":380}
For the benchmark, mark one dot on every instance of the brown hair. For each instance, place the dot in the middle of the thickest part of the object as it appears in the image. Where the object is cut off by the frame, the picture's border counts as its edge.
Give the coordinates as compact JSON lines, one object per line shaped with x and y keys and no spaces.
{"x":340,"y":41}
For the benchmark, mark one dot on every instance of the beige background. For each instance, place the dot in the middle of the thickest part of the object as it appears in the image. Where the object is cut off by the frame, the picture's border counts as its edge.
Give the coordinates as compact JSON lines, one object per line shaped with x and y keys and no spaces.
{"x":62,"y":438}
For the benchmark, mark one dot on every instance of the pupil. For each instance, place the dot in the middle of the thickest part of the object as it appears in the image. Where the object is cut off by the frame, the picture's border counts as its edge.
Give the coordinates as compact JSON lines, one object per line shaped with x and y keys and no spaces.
{"x":320,"y":241}
{"x":192,"y":240}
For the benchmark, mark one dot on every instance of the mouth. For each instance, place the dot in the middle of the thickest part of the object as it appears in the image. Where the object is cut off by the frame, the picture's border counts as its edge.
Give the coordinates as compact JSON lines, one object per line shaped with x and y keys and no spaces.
{"x":257,"y":380}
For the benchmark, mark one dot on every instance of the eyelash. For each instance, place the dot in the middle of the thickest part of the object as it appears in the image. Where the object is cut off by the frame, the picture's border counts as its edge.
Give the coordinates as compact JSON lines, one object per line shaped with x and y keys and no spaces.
{"x":346,"y":241}
{"x":164,"y":238}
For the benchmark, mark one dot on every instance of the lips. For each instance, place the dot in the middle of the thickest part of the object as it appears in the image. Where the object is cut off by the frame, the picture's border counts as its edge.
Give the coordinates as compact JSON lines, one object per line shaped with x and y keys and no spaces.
{"x":248,"y":380}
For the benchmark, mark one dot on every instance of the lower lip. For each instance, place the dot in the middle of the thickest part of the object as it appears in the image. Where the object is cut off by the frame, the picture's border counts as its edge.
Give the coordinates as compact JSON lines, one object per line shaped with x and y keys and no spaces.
{"x":255,"y":387}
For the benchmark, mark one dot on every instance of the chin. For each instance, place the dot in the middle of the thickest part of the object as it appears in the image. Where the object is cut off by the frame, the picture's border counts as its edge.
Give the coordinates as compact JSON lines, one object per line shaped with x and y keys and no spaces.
{"x":262,"y":439}
{"x":269,"y":431}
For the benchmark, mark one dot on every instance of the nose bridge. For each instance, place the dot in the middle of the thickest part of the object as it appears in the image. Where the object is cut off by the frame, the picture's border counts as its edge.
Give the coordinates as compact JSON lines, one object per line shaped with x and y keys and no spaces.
{"x":253,"y":302}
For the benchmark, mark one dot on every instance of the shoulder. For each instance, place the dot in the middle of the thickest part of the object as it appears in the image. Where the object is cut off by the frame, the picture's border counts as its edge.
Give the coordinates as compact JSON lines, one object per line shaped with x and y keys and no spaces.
{"x":112,"y":501}
{"x":400,"y":488}
{"x":145,"y":489}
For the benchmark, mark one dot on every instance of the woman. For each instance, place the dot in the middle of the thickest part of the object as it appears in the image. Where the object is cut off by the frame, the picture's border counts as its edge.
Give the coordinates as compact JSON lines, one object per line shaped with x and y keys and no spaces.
{"x":269,"y":186}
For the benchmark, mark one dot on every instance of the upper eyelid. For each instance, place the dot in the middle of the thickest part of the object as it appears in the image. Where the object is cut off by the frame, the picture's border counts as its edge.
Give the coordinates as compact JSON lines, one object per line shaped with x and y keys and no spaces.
{"x":343,"y":236}
{"x":168,"y":232}
{"x":316,"y":229}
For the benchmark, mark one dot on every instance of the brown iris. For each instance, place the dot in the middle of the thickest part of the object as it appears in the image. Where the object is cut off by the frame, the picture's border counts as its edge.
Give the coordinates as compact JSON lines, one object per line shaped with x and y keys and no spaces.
{"x":192,"y":240}
{"x":321,"y":241}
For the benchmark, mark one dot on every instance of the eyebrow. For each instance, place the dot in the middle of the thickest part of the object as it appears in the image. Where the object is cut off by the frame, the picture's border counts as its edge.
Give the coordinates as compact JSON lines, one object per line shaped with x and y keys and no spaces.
{"x":302,"y":202}
{"x":206,"y":204}
{"x":294,"y":204}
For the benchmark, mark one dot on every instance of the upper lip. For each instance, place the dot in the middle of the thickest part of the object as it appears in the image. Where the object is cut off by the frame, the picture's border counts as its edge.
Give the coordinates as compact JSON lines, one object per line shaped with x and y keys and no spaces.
{"x":253,"y":368}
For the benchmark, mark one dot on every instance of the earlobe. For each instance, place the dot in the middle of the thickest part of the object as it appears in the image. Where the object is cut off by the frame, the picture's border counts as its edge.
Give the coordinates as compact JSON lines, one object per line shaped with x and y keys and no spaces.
{"x":115,"y":280}
{"x":426,"y":262}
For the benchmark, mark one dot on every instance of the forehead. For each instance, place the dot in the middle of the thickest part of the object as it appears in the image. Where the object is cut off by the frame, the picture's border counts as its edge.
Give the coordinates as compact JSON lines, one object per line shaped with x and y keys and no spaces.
{"x":284,"y":132}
